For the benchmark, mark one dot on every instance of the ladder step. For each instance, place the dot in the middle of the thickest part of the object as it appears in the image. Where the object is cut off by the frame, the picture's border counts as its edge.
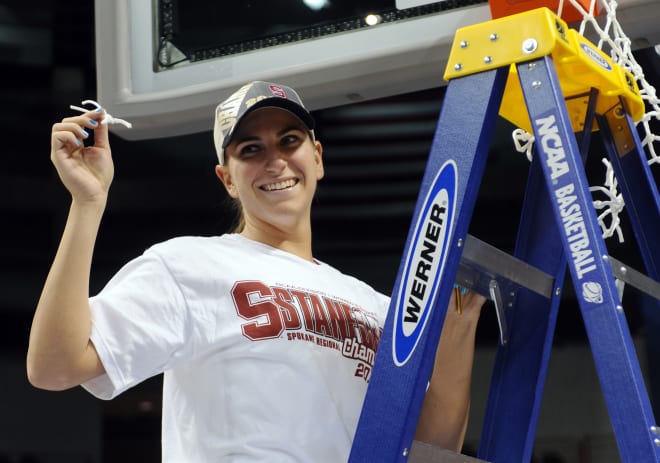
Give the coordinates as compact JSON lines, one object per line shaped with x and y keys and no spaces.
{"x":426,"y":453}
{"x":635,"y":278}
{"x":481,"y":263}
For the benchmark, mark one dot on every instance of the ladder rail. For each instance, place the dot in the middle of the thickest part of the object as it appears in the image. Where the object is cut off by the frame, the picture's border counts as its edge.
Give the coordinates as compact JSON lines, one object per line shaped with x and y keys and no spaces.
{"x":609,"y":336}
{"x":635,"y":180}
{"x":520,"y":367}
{"x":389,"y":414}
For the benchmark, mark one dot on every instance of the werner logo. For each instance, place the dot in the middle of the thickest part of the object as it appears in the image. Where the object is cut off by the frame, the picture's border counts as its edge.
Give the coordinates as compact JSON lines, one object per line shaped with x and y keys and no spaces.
{"x":427,"y":253}
{"x":595,"y":56}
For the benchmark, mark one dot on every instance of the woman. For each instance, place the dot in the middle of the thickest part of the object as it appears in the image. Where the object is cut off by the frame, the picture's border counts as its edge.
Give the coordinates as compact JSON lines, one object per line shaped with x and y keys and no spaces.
{"x":247,"y":327}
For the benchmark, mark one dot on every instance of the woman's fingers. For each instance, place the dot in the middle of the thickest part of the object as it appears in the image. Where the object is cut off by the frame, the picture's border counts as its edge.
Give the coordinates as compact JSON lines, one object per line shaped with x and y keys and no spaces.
{"x":466,"y":304}
{"x":70,"y":131}
{"x":82,"y":126}
{"x":85,"y":167}
{"x":100,"y":132}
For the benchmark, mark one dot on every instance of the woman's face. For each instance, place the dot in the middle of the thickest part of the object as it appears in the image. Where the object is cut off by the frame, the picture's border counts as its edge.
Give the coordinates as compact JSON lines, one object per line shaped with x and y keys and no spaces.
{"x":272,"y":167}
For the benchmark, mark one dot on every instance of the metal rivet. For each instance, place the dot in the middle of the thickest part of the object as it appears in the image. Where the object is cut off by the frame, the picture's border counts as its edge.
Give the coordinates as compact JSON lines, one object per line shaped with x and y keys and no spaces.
{"x":536,"y":84}
{"x":655,"y":430}
{"x":623,"y":269}
{"x":460,"y":243}
{"x":558,"y":291}
{"x":529,"y":46}
{"x":458,"y":67}
{"x":656,"y":442}
{"x":619,"y":308}
{"x":464,"y":43}
{"x":488,"y":59}
{"x":405,"y":452}
{"x":606,"y":257}
{"x":493,"y":37}
{"x":531,"y":66}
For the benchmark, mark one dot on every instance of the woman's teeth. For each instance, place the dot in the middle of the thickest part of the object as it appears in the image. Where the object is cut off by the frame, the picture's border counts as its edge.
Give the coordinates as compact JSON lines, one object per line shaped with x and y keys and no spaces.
{"x":279,"y":185}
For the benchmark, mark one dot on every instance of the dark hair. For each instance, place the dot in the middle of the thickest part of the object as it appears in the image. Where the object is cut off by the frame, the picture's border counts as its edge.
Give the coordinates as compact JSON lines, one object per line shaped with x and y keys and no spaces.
{"x":239,"y":218}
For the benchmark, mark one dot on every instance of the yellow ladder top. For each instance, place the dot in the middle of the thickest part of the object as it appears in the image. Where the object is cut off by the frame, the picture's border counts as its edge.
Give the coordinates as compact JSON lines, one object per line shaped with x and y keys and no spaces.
{"x":534,"y":34}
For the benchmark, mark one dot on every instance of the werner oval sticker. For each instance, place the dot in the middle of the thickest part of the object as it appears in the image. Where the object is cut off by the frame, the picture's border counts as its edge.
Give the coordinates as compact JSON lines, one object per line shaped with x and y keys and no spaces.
{"x":427,"y":253}
{"x":595,"y":56}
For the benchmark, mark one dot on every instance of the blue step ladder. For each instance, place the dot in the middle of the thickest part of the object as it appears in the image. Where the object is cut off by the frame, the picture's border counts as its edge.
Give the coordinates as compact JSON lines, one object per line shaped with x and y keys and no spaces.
{"x":544,"y":77}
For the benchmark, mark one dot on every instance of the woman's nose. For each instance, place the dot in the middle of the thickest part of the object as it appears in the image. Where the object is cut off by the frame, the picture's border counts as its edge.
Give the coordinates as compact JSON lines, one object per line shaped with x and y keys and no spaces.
{"x":275,"y":160}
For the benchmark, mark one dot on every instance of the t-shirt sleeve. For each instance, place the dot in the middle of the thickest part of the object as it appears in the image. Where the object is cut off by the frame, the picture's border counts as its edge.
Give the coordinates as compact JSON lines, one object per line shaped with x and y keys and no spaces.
{"x":139,"y":325}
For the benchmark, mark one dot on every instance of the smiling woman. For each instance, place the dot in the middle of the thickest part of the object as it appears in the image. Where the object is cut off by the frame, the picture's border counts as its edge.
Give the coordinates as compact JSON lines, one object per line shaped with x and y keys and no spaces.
{"x":251,"y":126}
{"x":270,"y":162}
{"x":272,"y":168}
{"x":259,"y":342}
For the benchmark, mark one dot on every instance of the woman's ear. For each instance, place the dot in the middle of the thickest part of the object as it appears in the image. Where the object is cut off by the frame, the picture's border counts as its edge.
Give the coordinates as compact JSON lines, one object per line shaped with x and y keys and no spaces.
{"x":318,"y":156}
{"x":222,"y":172}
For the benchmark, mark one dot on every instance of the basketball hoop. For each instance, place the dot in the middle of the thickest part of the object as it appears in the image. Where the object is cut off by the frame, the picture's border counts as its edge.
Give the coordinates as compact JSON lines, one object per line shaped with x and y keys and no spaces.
{"x":567,"y":12}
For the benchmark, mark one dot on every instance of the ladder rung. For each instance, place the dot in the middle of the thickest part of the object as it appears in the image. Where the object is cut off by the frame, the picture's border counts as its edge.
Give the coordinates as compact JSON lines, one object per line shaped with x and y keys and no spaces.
{"x":634,"y":278}
{"x":481,"y":263}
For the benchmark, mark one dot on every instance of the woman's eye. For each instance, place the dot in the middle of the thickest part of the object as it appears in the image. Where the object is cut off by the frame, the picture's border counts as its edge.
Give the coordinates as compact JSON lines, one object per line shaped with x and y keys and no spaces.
{"x":248,"y":149}
{"x":289,"y":139}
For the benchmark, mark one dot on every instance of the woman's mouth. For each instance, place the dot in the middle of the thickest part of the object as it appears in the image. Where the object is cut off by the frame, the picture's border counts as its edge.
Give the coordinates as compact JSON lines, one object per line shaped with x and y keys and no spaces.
{"x":283,"y":185}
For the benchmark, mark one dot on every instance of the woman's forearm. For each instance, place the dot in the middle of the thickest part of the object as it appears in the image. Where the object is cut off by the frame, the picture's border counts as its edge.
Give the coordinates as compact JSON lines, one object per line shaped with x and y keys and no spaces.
{"x":444,"y":415}
{"x":60,"y":354}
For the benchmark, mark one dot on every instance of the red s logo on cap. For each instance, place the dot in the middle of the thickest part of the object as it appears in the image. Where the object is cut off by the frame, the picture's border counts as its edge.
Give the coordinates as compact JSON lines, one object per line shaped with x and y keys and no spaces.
{"x":277,"y":91}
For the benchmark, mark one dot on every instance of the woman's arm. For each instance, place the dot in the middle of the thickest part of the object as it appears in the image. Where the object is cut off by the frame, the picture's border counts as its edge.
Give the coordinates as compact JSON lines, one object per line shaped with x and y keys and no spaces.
{"x":60,"y":353}
{"x":444,"y":415}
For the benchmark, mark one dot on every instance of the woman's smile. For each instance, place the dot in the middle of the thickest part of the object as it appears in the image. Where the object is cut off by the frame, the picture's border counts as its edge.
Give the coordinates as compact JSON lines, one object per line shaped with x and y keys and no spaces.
{"x":280,"y":185}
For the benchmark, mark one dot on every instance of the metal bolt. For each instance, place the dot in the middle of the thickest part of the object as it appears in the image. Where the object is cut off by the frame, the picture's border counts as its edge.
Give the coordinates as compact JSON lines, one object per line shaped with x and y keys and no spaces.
{"x":536,"y":84}
{"x":493,"y":37}
{"x":464,"y":43}
{"x":458,"y":67}
{"x":529,"y":46}
{"x":623,"y":270}
{"x":619,"y":308}
{"x":531,"y":66}
{"x":656,"y":442}
{"x":558,"y":291}
{"x":606,"y":258}
{"x":655,"y":430}
{"x":488,"y":59}
{"x":405,"y":452}
{"x":460,"y":243}
{"x":626,"y":146}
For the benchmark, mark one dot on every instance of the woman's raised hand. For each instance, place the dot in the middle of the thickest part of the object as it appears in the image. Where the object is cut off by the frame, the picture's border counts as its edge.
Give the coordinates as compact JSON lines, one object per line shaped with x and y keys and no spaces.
{"x":86,"y":171}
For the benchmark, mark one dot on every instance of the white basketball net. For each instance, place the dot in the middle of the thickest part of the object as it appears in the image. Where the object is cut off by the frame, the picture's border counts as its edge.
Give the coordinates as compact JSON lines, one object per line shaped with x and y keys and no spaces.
{"x":612,"y":40}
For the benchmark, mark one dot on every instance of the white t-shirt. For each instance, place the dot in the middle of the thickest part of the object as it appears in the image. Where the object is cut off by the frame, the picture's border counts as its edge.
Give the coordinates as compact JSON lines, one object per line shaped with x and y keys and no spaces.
{"x":266,"y":356}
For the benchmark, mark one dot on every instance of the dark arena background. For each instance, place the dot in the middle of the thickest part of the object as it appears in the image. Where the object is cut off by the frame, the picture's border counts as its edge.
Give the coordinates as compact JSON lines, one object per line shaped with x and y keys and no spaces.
{"x":374,"y":152}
